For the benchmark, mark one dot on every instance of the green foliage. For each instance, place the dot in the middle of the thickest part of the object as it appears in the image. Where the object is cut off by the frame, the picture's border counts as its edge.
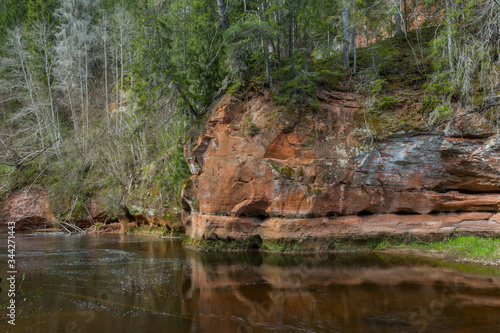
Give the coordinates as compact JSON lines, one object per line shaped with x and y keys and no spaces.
{"x":197,"y":47}
{"x":387,"y":103}
{"x":215,"y":245}
{"x":465,"y":57}
{"x":377,"y":85}
{"x":12,"y":12}
{"x":176,"y":173}
{"x":41,"y":11}
{"x":467,"y":247}
{"x":234,"y":87}
{"x":244,"y":45}
{"x":297,"y":83}
{"x":248,"y":127}
{"x":149,"y":230}
{"x":181,"y":58}
{"x":280,"y":246}
{"x":460,"y":247}
{"x":110,"y":200}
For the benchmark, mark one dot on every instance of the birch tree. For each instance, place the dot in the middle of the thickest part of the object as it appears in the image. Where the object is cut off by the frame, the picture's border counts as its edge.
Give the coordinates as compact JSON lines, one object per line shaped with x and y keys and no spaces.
{"x":102,"y":31}
{"x":74,"y":40}
{"x":345,"y":33}
{"x":223,"y":14}
{"x":122,"y":35}
{"x":32,"y":132}
{"x":40,"y":36}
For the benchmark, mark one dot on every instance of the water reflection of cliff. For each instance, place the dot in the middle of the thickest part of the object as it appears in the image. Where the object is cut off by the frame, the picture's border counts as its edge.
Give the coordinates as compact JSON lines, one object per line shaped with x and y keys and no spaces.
{"x":336,"y":293}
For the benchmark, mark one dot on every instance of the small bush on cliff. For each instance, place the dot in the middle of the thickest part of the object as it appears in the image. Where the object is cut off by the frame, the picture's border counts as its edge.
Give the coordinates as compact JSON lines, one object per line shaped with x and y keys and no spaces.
{"x":248,"y":127}
{"x":176,"y":173}
{"x":296,"y":83}
{"x":387,"y":103}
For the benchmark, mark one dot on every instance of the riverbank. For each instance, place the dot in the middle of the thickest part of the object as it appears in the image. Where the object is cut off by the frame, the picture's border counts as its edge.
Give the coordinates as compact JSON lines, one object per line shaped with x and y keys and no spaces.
{"x":133,"y":229}
{"x":462,"y":249}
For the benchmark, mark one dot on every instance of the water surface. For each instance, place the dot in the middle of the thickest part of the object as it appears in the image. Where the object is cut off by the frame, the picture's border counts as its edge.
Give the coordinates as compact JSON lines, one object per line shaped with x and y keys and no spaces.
{"x":121,"y":283}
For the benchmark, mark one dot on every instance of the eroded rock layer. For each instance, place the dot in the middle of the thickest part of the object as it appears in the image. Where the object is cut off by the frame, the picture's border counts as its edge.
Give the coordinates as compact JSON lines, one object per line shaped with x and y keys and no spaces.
{"x":297,"y":174}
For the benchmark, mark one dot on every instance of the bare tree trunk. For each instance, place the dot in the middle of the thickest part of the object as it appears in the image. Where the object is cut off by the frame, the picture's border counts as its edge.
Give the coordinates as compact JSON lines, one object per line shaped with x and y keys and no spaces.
{"x":54,"y":116}
{"x":290,"y":36}
{"x":266,"y":46}
{"x":223,"y":14}
{"x":345,"y":34}
{"x":131,"y":61}
{"x":29,"y":84}
{"x":353,"y":36}
{"x":450,"y":36}
{"x":105,"y":40}
{"x":117,"y":88}
{"x":73,"y":114}
{"x":405,"y":20}
{"x":82,"y":106}
{"x":366,"y":31}
{"x":278,"y":42}
{"x":121,"y":71}
{"x":87,"y":109}
{"x":399,"y":22}
{"x":184,"y":51}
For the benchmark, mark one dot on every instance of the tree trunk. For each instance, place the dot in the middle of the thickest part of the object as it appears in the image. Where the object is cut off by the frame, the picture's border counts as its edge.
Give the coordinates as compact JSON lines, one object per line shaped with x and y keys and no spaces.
{"x":353,"y":36}
{"x":223,"y":14}
{"x":29,"y":86}
{"x":290,"y":36}
{"x":105,"y":36}
{"x":399,"y":22}
{"x":55,"y":118}
{"x":266,"y":46}
{"x":450,"y":35}
{"x":117,"y":88}
{"x":87,"y":110}
{"x":366,"y":32}
{"x":345,"y":35}
{"x":73,"y":114}
{"x":121,"y":70}
{"x":405,"y":20}
{"x":278,"y":42}
{"x":82,"y":100}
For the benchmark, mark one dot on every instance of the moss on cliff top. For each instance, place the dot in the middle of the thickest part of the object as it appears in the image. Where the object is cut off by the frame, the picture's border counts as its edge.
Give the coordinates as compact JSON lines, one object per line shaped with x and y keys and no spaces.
{"x":390,"y":76}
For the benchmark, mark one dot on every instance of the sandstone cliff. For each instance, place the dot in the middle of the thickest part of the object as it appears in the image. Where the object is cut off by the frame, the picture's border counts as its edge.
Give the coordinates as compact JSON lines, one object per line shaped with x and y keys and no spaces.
{"x":30,"y":209}
{"x":315,"y":177}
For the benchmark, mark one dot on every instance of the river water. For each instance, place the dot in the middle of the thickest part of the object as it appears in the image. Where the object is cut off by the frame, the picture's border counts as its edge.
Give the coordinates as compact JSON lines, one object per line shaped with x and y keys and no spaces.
{"x":123,"y":283}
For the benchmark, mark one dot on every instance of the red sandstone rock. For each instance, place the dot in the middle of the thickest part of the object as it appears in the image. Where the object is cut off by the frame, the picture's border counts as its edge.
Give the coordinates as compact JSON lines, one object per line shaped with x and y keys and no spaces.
{"x":310,"y":174}
{"x":29,"y":208}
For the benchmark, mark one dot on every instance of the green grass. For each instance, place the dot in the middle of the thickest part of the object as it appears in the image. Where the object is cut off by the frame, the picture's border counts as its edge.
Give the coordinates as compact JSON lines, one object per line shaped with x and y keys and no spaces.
{"x":463,"y":247}
{"x":461,"y":250}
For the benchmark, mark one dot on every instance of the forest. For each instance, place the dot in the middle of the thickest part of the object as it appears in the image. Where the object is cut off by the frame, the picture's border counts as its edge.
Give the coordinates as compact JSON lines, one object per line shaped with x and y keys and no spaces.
{"x":97,"y":97}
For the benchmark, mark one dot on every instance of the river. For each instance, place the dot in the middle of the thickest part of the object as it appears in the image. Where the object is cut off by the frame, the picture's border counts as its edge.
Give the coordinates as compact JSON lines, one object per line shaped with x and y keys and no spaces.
{"x":124,"y":283}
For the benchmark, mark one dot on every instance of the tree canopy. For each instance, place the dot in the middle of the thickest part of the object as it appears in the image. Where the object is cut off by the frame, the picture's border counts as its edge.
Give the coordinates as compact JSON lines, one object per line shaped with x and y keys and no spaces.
{"x":122,"y":81}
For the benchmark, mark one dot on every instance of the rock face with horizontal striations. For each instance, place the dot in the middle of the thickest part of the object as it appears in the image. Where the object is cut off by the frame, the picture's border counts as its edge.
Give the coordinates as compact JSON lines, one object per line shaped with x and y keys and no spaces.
{"x":29,"y":209}
{"x":315,"y":176}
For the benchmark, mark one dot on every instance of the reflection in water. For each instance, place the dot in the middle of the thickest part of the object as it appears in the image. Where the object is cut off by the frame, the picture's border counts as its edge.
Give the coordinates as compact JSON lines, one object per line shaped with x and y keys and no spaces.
{"x":337,"y":293}
{"x":119,"y":283}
